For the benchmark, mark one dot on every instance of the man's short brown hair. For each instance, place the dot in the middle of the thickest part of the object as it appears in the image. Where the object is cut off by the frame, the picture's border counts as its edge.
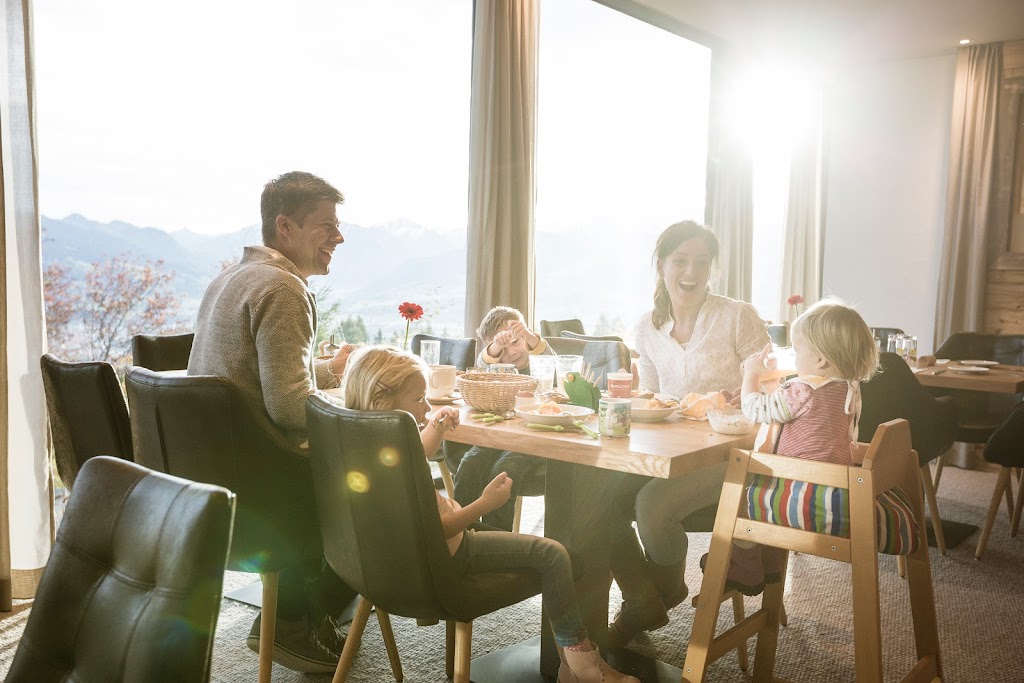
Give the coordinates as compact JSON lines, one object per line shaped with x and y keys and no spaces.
{"x":293,"y":194}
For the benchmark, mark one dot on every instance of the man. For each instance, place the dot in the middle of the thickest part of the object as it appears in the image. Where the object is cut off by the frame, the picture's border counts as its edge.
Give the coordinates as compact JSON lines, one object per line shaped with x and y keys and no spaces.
{"x":256,"y":326}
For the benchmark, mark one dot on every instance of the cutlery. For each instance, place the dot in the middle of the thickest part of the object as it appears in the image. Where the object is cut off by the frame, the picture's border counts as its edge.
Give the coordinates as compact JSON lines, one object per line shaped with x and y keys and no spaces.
{"x":548,"y":428}
{"x":586,"y":430}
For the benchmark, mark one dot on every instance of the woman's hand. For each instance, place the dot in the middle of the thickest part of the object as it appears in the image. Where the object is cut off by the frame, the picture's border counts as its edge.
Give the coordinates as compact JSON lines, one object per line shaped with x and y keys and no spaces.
{"x":761,"y":362}
{"x":340,"y":359}
{"x":445,"y":418}
{"x":497,"y":492}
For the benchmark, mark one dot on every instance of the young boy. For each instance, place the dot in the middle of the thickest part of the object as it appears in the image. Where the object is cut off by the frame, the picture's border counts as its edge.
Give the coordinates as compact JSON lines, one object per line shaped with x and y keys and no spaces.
{"x":506,"y":339}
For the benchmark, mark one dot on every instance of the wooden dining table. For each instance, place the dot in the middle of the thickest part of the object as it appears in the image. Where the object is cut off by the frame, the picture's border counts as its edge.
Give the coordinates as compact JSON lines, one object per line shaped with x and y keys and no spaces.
{"x":1007,"y":379}
{"x":582,"y":476}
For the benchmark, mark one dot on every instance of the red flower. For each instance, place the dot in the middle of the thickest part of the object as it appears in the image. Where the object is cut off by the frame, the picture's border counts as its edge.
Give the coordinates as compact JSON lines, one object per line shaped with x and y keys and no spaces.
{"x":410,"y":311}
{"x":794,"y":299}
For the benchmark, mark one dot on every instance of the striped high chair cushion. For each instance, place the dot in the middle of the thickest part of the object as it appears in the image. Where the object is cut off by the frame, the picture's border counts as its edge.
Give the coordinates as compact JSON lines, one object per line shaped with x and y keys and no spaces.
{"x":826,"y":510}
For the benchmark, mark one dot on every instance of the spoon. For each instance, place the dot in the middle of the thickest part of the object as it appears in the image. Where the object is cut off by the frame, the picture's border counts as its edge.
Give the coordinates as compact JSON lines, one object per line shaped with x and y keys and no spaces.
{"x":586,"y":430}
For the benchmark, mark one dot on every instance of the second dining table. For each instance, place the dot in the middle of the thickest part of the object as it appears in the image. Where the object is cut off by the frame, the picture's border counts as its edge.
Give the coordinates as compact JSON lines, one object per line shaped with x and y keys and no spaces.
{"x":581,"y":478}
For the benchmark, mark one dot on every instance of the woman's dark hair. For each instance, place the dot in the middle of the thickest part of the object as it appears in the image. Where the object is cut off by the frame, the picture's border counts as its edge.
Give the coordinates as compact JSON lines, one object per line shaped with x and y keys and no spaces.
{"x":668,"y":241}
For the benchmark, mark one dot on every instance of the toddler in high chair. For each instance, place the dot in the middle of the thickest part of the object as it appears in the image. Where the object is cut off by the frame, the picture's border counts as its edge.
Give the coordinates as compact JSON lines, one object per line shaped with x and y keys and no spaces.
{"x":385,"y":378}
{"x":818,"y":413}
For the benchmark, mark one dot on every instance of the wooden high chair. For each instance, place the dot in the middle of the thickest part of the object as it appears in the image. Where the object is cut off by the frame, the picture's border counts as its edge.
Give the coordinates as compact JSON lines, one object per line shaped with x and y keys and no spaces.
{"x":887,"y":462}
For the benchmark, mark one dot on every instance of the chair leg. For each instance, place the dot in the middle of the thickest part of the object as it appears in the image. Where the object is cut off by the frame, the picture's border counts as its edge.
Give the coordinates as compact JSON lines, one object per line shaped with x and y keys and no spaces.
{"x":737,"y":617}
{"x":901,"y":566}
{"x":355,"y":635}
{"x":389,"y":643}
{"x":933,"y":508}
{"x":1008,"y":494}
{"x":1001,"y":482}
{"x":939,"y":463}
{"x":268,"y":625}
{"x":783,"y":619}
{"x":446,"y":477}
{"x":518,"y":517}
{"x":1015,"y":525}
{"x":449,"y":649}
{"x":463,"y":650}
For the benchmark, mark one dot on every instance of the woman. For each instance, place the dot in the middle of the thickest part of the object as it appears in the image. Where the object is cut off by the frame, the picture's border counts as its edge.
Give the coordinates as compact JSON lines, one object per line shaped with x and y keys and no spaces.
{"x":693,"y":341}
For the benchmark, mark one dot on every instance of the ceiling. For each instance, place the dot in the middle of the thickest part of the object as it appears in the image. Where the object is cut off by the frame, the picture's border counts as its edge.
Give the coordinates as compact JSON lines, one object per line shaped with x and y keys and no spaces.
{"x":847,"y":32}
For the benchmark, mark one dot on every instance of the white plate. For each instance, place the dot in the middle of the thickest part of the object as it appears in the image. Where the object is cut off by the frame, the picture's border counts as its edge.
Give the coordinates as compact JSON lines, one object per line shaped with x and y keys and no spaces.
{"x":569,"y":413}
{"x":442,"y":400}
{"x":968,"y":369}
{"x":981,"y":363}
{"x":641,"y":413}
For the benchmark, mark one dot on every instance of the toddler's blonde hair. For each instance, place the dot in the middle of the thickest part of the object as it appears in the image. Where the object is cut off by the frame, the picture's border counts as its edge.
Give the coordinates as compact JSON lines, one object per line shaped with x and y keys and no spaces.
{"x":376,"y":376}
{"x":838,"y":333}
{"x":495,"y":319}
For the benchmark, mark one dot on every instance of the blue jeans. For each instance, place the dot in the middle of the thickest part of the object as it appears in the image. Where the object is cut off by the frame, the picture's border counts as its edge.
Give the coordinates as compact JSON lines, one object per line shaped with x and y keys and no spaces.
{"x":501,"y":551}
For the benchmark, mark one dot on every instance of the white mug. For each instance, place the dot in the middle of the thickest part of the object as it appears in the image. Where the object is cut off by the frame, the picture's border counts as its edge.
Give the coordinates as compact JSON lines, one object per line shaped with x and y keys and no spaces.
{"x":442,"y":381}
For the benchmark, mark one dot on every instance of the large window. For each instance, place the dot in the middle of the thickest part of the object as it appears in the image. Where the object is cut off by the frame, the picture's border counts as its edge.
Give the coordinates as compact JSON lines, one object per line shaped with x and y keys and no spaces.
{"x":172,"y":118}
{"x":621,"y":155}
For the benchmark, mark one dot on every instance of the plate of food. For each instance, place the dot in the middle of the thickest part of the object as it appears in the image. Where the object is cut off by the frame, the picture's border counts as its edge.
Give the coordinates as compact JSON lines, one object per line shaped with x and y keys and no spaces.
{"x":551,"y":413}
{"x":980,"y":363}
{"x":444,"y":400}
{"x":968,"y":369}
{"x":657,"y":407}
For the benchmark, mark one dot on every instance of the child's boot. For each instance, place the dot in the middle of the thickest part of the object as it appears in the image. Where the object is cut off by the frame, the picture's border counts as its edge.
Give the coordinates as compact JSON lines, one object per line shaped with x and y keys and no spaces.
{"x":746,"y":573}
{"x":773,"y":561}
{"x":588,"y":667}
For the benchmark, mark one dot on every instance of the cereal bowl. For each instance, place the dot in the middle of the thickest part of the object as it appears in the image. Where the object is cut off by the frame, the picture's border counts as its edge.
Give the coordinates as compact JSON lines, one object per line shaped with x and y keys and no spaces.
{"x":653,"y":409}
{"x":729,"y":421}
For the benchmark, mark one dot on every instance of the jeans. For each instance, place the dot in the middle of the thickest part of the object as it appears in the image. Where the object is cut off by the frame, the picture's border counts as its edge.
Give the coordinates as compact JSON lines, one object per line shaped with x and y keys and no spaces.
{"x":479,"y":466}
{"x":501,"y":551}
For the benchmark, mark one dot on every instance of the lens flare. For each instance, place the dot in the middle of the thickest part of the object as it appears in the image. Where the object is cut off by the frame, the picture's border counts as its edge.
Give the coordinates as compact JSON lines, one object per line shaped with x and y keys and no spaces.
{"x":357,"y":482}
{"x":388,"y":456}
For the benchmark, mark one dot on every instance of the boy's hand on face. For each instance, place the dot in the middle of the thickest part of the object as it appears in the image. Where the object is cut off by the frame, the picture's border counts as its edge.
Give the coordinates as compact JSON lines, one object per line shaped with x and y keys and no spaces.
{"x":497,"y":492}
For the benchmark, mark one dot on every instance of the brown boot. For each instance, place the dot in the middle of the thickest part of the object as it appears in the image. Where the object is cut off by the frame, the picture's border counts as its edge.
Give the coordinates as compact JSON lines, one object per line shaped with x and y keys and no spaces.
{"x":670,"y":581}
{"x":588,"y":667}
{"x":641,"y":609}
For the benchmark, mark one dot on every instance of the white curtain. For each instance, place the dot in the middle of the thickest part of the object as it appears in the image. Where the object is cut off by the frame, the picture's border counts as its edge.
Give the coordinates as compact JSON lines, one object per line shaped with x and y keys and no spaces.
{"x":25,"y":496}
{"x":969,"y":191}
{"x":802,"y":232}
{"x":502,"y":159}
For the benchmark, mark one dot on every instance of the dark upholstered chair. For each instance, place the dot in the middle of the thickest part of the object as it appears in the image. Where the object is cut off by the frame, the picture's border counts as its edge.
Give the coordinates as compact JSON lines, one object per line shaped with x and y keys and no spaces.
{"x":162,"y":352}
{"x":779,"y":334}
{"x":883,"y":334}
{"x":460,"y":352}
{"x":895,"y":393}
{"x":382,"y":531}
{"x":200,"y":428}
{"x":132,"y":589}
{"x":554,"y":328}
{"x":88,"y":415}
{"x":564,"y":346}
{"x":981,"y":412}
{"x":1004,"y":448}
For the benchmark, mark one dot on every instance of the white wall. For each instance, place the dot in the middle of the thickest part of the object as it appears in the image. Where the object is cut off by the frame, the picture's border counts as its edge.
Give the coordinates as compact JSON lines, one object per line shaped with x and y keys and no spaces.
{"x":888,"y":145}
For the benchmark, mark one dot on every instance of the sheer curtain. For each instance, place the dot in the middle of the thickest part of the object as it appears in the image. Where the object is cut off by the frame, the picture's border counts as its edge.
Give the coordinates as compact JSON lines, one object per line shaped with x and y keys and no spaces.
{"x":502,"y":159}
{"x":25,"y":497}
{"x":802,"y":240}
{"x":969,"y":191}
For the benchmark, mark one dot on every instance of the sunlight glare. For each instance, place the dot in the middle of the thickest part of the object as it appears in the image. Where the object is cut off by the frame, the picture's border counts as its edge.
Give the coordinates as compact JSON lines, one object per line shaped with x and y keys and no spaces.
{"x":768,"y":107}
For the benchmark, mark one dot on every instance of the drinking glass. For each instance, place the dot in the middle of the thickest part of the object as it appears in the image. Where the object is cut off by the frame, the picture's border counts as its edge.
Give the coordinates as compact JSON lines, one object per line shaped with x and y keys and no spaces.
{"x":567,"y":363}
{"x":430,"y":351}
{"x":910,"y":349}
{"x":895,"y":343}
{"x":543,"y":368}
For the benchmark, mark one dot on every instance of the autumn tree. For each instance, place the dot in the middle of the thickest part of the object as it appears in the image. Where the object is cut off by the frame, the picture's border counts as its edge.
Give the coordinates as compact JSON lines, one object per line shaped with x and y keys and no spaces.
{"x":61,"y":300}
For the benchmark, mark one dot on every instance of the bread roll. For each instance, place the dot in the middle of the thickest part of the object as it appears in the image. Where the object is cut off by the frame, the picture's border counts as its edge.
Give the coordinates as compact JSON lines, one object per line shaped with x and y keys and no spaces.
{"x":925,"y":361}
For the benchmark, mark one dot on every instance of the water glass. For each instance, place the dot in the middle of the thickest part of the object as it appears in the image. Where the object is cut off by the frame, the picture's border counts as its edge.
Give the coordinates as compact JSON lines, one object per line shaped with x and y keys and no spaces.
{"x":542,"y":367}
{"x":564,"y":364}
{"x":430,"y":351}
{"x":895,"y":344}
{"x":910,"y":349}
{"x":506,"y":368}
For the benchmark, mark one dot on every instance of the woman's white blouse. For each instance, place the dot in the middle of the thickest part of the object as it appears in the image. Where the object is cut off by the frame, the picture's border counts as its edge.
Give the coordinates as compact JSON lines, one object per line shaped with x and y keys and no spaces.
{"x":726,"y":332}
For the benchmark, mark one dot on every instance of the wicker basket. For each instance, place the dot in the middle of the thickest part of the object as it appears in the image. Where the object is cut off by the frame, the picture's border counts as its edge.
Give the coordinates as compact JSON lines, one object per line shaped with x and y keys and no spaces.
{"x":493,"y":391}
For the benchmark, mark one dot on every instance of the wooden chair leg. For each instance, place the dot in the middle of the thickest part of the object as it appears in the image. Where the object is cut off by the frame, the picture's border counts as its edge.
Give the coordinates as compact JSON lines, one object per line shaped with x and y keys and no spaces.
{"x":449,"y":649}
{"x":867,"y":613}
{"x":389,"y":643}
{"x":768,"y":637}
{"x":1001,"y":482}
{"x":939,"y":463}
{"x":268,"y":625}
{"x":463,"y":650}
{"x":1008,"y":495}
{"x":355,"y":635}
{"x":518,"y":515}
{"x":737,"y":616}
{"x":933,"y":508}
{"x":901,"y":566}
{"x":1015,"y":525}
{"x":783,"y":618}
{"x":446,"y":477}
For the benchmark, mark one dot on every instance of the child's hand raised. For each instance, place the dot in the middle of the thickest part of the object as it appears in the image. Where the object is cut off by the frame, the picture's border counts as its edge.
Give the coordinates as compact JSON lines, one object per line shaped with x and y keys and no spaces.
{"x":445,"y":418}
{"x":497,"y":492}
{"x":761,"y":362}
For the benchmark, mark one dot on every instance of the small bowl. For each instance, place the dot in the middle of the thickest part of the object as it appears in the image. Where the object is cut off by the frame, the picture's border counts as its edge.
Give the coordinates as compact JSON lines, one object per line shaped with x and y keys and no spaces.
{"x":729,"y":421}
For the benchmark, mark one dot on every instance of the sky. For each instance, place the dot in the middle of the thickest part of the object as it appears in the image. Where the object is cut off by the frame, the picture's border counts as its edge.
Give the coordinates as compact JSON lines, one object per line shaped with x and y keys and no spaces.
{"x":175,"y":115}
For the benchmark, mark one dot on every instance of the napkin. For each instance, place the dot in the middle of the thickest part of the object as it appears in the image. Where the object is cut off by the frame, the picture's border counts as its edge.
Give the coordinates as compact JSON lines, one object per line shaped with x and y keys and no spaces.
{"x":695,"y":406}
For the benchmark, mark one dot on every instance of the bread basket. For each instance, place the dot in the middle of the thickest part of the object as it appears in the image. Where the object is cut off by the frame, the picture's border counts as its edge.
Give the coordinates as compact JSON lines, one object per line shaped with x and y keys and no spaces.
{"x":493,"y":391}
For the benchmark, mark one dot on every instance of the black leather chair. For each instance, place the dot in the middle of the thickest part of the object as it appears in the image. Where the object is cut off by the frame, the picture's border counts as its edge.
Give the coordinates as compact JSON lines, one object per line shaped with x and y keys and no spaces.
{"x":1004,"y":448}
{"x":460,"y":352}
{"x":88,"y":415}
{"x":981,"y":412}
{"x":162,"y":352}
{"x":883,"y":334}
{"x":895,"y":393}
{"x":200,"y":428}
{"x":554,"y":328}
{"x":382,"y":531}
{"x":132,"y":589}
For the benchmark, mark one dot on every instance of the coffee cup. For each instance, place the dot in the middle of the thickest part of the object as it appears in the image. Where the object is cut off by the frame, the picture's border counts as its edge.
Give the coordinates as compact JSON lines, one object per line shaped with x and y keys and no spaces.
{"x":620,"y":384}
{"x":442,"y":381}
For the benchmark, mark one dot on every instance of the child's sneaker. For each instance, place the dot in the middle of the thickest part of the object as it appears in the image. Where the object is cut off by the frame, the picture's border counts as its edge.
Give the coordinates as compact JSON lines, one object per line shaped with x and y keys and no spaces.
{"x":746,"y":573}
{"x":773,"y":562}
